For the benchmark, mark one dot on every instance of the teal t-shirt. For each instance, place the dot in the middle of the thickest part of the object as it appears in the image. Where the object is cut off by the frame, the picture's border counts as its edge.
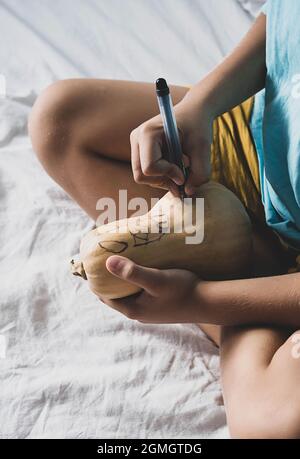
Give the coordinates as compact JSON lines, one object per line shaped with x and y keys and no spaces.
{"x":275,"y":121}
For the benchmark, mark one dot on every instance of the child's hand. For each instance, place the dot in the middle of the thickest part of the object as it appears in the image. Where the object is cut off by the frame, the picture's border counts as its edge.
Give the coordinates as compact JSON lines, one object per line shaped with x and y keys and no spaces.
{"x":168,"y":296}
{"x":148,"y":146}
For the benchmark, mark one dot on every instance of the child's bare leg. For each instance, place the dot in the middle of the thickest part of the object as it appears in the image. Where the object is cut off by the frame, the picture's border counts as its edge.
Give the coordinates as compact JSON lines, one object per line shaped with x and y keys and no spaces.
{"x":260,"y":376}
{"x":261,"y":381}
{"x":80,"y":130}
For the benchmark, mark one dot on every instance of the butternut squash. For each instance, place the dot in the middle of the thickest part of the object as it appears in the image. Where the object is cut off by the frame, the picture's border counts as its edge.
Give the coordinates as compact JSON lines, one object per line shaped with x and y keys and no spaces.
{"x":224,"y":253}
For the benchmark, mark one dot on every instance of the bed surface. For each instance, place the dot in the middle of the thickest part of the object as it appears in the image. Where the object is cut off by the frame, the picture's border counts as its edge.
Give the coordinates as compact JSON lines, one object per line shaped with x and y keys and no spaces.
{"x":73,"y":367}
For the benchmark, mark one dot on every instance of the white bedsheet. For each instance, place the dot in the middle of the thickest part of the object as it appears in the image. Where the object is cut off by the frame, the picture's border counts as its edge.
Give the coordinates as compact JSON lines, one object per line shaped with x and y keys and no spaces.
{"x":75,"y":368}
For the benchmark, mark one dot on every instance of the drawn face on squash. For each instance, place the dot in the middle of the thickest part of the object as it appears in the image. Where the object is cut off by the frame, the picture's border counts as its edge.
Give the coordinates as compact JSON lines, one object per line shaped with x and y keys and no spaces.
{"x":223,"y":254}
{"x":138,"y":239}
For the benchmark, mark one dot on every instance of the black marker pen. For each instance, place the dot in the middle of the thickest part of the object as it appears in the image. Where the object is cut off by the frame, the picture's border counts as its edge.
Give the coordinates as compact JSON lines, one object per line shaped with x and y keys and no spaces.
{"x":170,"y":127}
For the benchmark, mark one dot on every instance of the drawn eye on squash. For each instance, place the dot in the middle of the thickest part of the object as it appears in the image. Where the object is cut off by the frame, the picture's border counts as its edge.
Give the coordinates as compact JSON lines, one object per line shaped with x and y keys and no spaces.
{"x":145,"y":238}
{"x":113,"y":246}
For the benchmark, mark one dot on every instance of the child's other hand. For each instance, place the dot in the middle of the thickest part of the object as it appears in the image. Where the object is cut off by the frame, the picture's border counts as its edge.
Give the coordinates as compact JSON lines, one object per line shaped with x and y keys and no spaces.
{"x":167,"y":296}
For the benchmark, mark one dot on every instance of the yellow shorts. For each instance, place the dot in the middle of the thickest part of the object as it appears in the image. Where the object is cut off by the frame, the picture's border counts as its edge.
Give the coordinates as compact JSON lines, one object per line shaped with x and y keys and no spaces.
{"x":234,"y":159}
{"x":235,"y":164}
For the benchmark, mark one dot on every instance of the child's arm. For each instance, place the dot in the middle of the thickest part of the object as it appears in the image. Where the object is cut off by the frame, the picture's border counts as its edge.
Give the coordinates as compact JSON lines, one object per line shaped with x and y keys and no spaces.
{"x":239,"y":76}
{"x":177,"y":296}
{"x":266,"y":300}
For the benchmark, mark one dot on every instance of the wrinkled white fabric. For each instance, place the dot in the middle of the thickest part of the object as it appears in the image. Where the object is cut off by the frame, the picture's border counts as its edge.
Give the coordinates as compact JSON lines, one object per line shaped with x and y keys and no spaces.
{"x":73,"y":367}
{"x":252,"y":6}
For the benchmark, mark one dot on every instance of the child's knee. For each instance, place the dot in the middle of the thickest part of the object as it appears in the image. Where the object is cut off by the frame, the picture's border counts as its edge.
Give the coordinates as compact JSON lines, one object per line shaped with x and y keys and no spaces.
{"x":50,"y":122}
{"x":268,"y":419}
{"x":269,"y":407}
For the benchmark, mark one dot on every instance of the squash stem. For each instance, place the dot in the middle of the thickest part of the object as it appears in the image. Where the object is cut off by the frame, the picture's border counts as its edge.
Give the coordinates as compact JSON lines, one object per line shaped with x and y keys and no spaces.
{"x":77,"y":269}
